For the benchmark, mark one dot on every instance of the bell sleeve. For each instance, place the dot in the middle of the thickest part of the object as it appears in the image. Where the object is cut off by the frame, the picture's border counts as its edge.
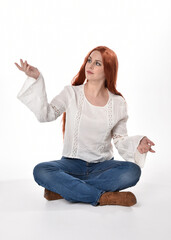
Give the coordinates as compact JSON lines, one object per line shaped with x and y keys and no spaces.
{"x":33,"y":95}
{"x":127,"y":145}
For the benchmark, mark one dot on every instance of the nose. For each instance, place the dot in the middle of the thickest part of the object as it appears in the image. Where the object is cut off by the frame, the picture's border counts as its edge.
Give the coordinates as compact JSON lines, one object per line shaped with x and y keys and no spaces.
{"x":92,"y":65}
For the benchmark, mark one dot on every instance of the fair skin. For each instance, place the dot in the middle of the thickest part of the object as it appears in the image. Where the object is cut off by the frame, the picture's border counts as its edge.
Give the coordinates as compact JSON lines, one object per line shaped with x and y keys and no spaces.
{"x":95,"y":90}
{"x":28,"y":69}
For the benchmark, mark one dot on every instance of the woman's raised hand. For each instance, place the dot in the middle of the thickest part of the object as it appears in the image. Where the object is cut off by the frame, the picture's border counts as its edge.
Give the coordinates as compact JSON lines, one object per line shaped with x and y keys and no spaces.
{"x":28,"y":69}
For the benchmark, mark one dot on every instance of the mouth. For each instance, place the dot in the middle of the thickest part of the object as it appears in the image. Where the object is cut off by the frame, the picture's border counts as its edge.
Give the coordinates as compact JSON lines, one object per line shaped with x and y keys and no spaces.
{"x":89,"y":72}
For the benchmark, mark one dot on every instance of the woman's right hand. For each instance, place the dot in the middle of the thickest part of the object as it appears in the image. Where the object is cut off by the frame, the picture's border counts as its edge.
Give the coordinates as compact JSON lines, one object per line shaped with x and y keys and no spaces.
{"x":28,"y":69}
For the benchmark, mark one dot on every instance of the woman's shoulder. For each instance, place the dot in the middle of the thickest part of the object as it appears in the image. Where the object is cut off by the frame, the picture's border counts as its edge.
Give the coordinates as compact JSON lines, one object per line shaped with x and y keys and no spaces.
{"x":118,"y":99}
{"x":120,"y":104}
{"x":72,"y":91}
{"x":75,"y":88}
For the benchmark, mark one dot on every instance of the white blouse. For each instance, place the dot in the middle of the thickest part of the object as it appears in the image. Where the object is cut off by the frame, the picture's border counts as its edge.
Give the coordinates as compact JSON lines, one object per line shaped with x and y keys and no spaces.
{"x":89,"y":129}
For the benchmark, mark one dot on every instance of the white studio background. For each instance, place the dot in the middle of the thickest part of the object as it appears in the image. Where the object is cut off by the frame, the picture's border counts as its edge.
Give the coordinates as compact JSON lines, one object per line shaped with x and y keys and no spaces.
{"x":55,"y":36}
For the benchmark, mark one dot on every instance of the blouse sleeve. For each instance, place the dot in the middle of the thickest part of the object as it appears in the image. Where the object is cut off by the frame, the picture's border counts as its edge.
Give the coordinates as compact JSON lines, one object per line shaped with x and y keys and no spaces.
{"x":127,"y":145}
{"x":33,"y":95}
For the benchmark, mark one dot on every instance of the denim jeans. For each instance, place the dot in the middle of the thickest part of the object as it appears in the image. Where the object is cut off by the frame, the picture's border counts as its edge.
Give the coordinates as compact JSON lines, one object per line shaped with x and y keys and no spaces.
{"x":79,"y":181}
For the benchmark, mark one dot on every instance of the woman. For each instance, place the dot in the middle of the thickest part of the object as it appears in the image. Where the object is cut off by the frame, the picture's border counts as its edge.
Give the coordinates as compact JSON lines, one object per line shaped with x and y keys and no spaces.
{"x":94,"y":112}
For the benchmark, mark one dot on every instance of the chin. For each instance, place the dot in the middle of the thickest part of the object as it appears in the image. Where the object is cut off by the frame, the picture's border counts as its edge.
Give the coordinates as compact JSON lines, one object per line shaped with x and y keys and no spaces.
{"x":89,"y":77}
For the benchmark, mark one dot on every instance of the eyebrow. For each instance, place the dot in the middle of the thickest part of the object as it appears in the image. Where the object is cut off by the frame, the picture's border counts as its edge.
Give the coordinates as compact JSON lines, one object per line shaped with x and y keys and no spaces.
{"x":96,"y":59}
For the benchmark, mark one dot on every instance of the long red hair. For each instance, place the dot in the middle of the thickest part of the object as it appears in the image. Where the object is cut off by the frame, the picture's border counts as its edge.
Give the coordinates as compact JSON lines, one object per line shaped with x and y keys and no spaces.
{"x":110,"y":62}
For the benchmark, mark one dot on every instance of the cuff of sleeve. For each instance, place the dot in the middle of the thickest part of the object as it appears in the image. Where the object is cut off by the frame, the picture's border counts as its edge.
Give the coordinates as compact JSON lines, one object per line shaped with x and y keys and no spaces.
{"x":27,"y":84}
{"x":140,"y":158}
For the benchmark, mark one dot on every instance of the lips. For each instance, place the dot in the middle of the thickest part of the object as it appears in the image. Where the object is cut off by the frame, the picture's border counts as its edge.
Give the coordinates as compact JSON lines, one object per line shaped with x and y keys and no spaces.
{"x":89,"y":72}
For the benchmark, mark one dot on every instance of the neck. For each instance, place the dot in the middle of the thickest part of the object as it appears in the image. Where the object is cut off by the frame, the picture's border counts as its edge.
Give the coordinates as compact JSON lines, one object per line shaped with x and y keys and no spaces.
{"x":95,"y":89}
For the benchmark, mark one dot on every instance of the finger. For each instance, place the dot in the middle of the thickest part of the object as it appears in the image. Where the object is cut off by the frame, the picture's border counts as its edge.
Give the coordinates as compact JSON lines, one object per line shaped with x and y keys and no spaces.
{"x":21,"y":61}
{"x":28,"y":66}
{"x":18,"y":66}
{"x":151,"y":150}
{"x":27,"y":69}
{"x":146,"y":147}
{"x":149,"y":141}
{"x":25,"y":65}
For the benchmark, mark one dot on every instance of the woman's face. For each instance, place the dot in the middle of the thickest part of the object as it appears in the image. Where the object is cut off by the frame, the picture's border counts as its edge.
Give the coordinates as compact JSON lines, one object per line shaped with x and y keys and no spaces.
{"x":94,"y":68}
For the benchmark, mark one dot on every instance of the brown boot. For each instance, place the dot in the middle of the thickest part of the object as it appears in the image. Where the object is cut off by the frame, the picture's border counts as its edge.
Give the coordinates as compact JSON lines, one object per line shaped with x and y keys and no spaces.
{"x":51,"y":195}
{"x":118,"y":198}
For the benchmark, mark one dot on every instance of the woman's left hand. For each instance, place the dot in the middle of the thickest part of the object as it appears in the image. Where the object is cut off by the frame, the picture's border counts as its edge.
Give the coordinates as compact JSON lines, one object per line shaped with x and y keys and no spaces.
{"x":145,"y":145}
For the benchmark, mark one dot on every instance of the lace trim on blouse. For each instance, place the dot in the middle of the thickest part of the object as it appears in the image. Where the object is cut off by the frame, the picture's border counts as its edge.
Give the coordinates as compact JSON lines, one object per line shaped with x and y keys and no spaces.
{"x":109,"y":110}
{"x":57,"y":111}
{"x":117,"y":137}
{"x":76,"y":125}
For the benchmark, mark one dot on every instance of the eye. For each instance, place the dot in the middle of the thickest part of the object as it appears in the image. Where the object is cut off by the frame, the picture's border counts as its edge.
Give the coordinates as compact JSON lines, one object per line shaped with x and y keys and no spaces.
{"x":98,"y":63}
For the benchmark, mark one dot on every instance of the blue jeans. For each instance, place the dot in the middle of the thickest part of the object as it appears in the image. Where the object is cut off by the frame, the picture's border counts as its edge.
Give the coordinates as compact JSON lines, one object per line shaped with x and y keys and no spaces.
{"x":79,"y":181}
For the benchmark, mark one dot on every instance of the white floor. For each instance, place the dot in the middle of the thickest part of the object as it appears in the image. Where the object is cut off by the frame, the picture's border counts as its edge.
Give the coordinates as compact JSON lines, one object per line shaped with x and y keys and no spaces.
{"x":26,"y":214}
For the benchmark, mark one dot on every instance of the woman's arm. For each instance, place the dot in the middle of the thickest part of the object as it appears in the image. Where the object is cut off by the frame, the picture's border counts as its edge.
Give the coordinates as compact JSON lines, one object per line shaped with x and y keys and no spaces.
{"x":33,"y":95}
{"x":127,"y":146}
